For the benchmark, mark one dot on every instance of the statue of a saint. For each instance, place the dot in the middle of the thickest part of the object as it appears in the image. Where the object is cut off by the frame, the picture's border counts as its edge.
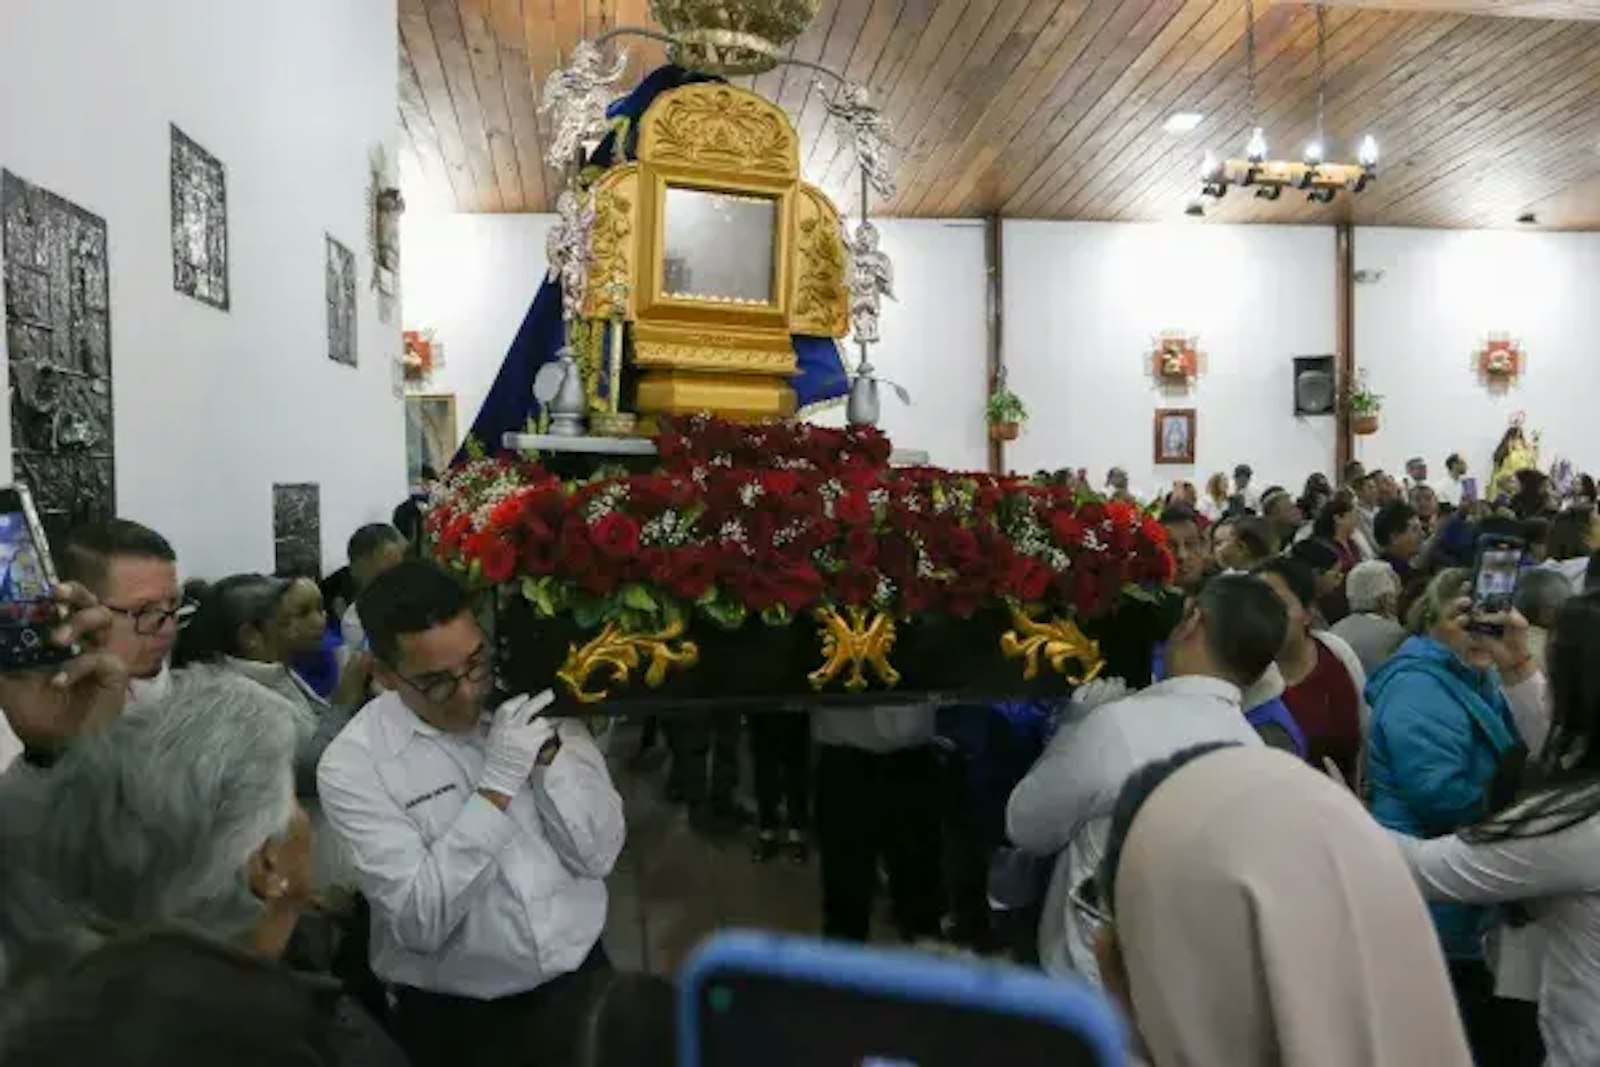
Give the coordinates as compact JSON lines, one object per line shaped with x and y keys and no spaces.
{"x":1518,"y":451}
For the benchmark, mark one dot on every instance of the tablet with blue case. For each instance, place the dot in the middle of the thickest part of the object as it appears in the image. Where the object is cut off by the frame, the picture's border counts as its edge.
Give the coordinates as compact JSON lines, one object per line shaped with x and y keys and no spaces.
{"x":766,"y":1000}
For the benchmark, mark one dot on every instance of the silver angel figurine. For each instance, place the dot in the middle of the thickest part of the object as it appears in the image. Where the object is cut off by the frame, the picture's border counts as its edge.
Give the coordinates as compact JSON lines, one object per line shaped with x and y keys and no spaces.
{"x":567,"y":247}
{"x":859,"y":122}
{"x":577,"y":95}
{"x":871,"y":279}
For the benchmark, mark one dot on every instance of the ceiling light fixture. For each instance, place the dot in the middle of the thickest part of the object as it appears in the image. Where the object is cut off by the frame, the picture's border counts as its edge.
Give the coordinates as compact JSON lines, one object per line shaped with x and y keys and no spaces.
{"x":1320,"y":179}
{"x":1182,"y":121}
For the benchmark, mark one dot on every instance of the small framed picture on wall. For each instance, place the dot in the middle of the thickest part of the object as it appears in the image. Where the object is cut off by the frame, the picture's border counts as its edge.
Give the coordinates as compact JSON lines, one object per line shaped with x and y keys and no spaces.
{"x":1174,"y":434}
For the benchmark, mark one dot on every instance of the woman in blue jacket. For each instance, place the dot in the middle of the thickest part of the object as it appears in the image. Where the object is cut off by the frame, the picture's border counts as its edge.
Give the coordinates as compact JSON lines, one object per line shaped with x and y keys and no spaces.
{"x":1441,"y":729}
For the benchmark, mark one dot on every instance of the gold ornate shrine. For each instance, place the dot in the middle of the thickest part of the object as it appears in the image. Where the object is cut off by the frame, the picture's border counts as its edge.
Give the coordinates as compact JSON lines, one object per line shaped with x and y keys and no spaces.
{"x":714,"y":252}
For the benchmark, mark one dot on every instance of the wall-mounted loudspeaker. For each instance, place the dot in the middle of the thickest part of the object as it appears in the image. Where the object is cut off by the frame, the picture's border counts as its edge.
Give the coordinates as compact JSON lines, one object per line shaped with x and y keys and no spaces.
{"x":1315,"y":390}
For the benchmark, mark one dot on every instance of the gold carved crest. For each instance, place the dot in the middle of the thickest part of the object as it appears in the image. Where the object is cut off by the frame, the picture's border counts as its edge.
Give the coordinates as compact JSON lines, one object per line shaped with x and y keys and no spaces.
{"x":718,"y":127}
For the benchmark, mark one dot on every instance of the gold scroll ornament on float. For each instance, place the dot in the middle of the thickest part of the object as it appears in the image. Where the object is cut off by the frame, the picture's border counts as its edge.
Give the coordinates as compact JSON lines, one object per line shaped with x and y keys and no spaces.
{"x":714,"y":252}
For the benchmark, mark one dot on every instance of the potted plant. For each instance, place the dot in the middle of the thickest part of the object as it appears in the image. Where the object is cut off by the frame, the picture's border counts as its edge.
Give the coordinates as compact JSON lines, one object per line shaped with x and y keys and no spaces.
{"x":1006,"y":414}
{"x":1363,"y":406}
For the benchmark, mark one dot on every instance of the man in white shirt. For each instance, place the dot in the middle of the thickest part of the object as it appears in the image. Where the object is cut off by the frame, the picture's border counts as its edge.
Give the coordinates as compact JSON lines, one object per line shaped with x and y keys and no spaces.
{"x":482,"y":842}
{"x":877,"y":799}
{"x":1248,"y":498}
{"x":1229,"y":636}
{"x":1451,"y":489}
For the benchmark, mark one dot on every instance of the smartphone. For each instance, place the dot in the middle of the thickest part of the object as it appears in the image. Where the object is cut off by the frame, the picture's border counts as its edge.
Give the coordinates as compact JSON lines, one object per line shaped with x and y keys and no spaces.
{"x":1469,"y":490}
{"x":1494,"y":579}
{"x":779,"y":1001}
{"x":27,"y":577}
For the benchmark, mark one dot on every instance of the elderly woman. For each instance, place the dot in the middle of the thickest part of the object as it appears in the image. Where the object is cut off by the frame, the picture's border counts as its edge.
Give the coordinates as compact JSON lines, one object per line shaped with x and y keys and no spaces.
{"x":1252,"y":915}
{"x":183,"y":813}
{"x":1442,"y":728}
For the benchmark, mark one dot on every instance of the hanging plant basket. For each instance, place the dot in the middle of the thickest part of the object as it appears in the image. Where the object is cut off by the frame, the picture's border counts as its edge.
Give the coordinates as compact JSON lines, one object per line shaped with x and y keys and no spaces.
{"x":1005,"y":431}
{"x":1364,"y":425}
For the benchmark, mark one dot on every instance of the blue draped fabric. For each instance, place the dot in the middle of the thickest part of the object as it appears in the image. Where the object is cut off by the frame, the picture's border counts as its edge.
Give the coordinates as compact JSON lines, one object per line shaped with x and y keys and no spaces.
{"x":821,"y":376}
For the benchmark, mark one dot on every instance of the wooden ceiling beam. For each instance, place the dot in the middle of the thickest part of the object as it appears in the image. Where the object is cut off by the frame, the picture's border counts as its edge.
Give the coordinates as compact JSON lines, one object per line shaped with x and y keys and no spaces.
{"x":1530,"y":9}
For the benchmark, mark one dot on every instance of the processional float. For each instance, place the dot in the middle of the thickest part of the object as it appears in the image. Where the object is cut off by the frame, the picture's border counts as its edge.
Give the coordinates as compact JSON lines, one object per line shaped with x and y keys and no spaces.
{"x":708,"y":547}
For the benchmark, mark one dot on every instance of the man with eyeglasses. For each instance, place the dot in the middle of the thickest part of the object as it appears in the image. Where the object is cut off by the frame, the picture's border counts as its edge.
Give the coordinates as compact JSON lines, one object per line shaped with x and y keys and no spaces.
{"x":133,"y":572}
{"x":482,"y":838}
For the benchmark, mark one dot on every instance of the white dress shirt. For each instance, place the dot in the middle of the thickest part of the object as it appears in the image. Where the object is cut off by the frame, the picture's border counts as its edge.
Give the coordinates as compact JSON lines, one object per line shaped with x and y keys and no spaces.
{"x":1064,"y":805}
{"x":468,"y":900}
{"x":878,"y":730}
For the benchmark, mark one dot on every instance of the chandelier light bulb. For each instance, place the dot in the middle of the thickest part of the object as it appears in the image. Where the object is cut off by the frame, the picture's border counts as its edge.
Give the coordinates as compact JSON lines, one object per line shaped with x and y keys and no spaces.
{"x":1256,"y":150}
{"x":1314,"y":156}
{"x":1368,"y":155}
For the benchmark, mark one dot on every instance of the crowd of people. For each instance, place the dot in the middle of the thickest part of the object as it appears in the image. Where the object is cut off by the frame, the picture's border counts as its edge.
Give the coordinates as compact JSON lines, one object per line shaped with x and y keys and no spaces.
{"x":1348,"y":822}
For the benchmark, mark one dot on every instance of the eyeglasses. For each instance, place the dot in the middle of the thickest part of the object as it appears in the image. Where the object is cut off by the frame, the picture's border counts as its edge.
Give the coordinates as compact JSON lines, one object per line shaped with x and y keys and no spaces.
{"x":149,"y":620}
{"x":442,"y":685}
{"x":1085,"y":900}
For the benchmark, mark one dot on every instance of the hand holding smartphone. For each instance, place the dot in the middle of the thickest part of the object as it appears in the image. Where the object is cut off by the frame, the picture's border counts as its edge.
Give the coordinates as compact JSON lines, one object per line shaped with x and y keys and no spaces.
{"x":28,"y":611}
{"x":1495,"y":577}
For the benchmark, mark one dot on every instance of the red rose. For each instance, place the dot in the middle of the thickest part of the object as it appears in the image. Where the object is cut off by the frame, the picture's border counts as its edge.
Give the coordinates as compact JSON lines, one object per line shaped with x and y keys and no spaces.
{"x":453,"y":534}
{"x":616,"y":536}
{"x":498,"y":560}
{"x":780,"y":483}
{"x":1122,"y":513}
{"x":861,"y":547}
{"x":797,"y":586}
{"x":1067,"y":529}
{"x":1092,"y":514}
{"x":506,"y":513}
{"x":853,"y":508}
{"x":857,"y":587}
{"x":1029,"y":579}
{"x":539,"y":555}
{"x":692,"y":574}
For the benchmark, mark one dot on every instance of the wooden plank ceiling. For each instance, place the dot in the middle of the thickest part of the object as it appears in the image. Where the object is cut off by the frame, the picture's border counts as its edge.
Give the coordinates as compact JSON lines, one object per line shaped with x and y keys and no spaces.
{"x":1057,"y":108}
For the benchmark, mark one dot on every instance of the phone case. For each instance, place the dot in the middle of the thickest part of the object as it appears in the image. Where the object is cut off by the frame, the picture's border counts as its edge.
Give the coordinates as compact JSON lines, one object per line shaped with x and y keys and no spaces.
{"x":1004,"y":991}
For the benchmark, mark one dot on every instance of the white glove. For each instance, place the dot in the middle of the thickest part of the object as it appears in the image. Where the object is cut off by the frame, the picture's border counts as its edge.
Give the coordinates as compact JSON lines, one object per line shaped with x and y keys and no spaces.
{"x":514,"y":742}
{"x":1098,"y":692}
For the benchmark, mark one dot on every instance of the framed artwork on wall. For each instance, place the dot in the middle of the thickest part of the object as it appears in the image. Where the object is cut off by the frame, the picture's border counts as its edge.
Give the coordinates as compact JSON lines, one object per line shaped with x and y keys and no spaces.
{"x":430,"y":433}
{"x":1174,"y":436}
{"x":341,"y":303}
{"x":199,"y":223}
{"x":58,"y":337}
{"x":297,"y":529}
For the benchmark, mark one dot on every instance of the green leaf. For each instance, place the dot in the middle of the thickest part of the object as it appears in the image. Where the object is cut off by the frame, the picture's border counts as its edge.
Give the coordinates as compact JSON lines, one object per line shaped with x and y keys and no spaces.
{"x":726,"y":614}
{"x":589,"y":611}
{"x":544,"y":594}
{"x":777,"y":615}
{"x":639,"y":598}
{"x":1141,"y":594}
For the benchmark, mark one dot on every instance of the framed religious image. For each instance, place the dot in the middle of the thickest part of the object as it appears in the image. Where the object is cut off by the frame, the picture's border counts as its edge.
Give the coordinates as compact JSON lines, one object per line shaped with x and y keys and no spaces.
{"x":1174,"y":433}
{"x":199,"y":223}
{"x":341,"y":296}
{"x":297,"y":529}
{"x":430,"y":433}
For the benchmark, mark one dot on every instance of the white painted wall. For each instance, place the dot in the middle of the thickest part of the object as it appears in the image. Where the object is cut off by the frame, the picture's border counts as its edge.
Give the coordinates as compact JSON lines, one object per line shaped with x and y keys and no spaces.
{"x":1084,"y":303}
{"x":471,"y":279}
{"x":1441,"y":295}
{"x":214,"y":407}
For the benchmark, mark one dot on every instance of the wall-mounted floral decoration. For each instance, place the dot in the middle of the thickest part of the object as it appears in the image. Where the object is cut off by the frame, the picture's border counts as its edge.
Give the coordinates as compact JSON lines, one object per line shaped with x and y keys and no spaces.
{"x":422,"y":356}
{"x":1500,"y":362}
{"x":1176,"y":361}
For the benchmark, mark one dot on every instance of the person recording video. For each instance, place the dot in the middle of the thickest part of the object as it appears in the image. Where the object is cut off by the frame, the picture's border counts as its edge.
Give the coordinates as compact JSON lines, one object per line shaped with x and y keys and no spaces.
{"x":482,"y":837}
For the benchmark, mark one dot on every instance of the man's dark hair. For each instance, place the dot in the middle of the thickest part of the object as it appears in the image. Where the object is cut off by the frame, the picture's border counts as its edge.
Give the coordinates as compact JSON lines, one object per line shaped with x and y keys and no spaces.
{"x":367,"y":540}
{"x":1323,"y":525}
{"x":86,"y":554}
{"x":1541,"y":594}
{"x":1569,"y":532}
{"x":1256,"y":537}
{"x":1354,"y":471}
{"x":1294,"y":573}
{"x":1392,"y":520}
{"x":1453,"y":459}
{"x":1243,"y":471}
{"x":411,"y":598}
{"x":1178,"y":514}
{"x":1245,"y":623}
{"x":1315,"y":553}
